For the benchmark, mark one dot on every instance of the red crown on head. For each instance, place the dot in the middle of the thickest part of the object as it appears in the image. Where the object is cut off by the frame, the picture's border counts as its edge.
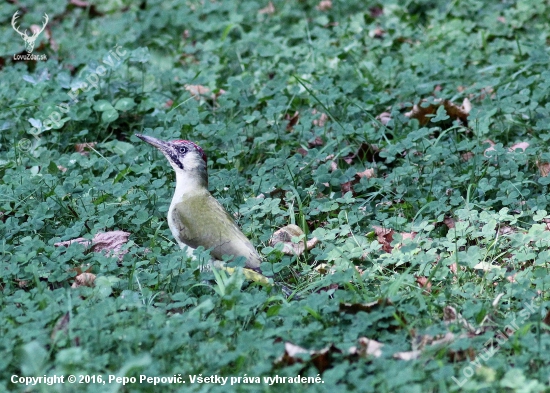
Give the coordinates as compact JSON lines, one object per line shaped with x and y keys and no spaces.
{"x":197,"y":147}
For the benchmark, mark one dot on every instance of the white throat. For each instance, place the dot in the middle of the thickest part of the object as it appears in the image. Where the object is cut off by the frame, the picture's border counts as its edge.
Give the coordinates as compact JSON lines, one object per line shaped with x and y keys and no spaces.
{"x":185,"y":183}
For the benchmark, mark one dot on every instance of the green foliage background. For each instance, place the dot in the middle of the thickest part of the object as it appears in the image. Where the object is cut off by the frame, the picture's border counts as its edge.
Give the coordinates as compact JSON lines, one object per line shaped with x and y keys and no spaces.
{"x":155,"y":312}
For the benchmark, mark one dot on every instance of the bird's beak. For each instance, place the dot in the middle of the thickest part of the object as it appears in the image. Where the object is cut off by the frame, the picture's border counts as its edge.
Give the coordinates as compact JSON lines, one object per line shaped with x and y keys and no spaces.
{"x":161,"y":145}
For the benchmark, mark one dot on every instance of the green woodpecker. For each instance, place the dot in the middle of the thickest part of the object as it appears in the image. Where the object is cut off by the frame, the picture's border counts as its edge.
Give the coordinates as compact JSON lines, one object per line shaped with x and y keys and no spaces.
{"x":195,"y":217}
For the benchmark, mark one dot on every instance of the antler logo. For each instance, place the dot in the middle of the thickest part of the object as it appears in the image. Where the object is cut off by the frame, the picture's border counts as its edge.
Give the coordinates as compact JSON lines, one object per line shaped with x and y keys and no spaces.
{"x":29,"y":40}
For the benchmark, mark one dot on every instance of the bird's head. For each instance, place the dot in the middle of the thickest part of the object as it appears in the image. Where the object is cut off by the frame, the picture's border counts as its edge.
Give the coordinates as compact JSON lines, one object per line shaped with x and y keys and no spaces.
{"x":186,"y":157}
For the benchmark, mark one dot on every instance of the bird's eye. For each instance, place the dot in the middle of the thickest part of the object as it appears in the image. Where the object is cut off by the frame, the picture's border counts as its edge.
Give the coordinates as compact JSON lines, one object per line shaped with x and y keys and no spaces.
{"x":182,"y":149}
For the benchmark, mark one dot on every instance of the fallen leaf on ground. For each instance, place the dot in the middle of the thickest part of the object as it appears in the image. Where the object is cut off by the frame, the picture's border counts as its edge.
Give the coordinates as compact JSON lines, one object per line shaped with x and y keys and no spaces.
{"x":320,"y":122}
{"x":376,"y":11}
{"x":384,"y":118}
{"x":520,"y":145}
{"x":409,"y":355}
{"x":450,"y":315}
{"x":366,"y":152}
{"x":423,"y":282}
{"x":368,"y":173}
{"x":453,"y":268}
{"x":544,"y":168}
{"x":268,"y":10}
{"x":354,"y":308}
{"x":367,"y":347}
{"x":61,"y":325}
{"x":377,"y":33}
{"x":324,"y":5}
{"x":84,"y":148}
{"x":454,"y":111}
{"x":317,"y":141}
{"x":490,"y":148}
{"x":22,"y":283}
{"x":285,"y":235}
{"x":84,"y":280}
{"x":321,"y":359}
{"x":198,"y":90}
{"x":347,"y":187}
{"x":292,"y":120}
{"x":384,"y":237}
{"x":109,"y":242}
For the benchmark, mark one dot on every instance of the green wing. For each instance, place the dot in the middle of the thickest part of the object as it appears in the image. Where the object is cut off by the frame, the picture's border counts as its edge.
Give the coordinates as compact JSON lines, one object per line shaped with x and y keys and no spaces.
{"x":204,"y":222}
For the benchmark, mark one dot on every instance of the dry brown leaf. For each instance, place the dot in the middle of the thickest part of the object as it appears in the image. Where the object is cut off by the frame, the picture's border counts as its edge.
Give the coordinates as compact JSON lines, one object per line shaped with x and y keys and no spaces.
{"x":368,"y":173}
{"x":277,"y":193}
{"x":61,"y":325}
{"x":22,"y":283}
{"x":511,"y":278}
{"x":320,"y":122}
{"x":409,"y":355}
{"x":285,"y":235}
{"x":490,"y":148}
{"x":405,"y":235}
{"x":84,"y":280}
{"x":544,"y":168}
{"x":408,"y":235}
{"x":268,"y":10}
{"x":367,"y":347}
{"x":198,"y":91}
{"x":467,"y":156}
{"x":321,"y":359}
{"x":487,"y":91}
{"x":453,"y":268}
{"x":366,"y":152}
{"x":450,"y":315}
{"x":384,"y":237}
{"x":292,"y":120}
{"x":109,"y":242}
{"x":85,"y":268}
{"x":376,"y":11}
{"x":84,"y":148}
{"x":377,"y":33}
{"x":520,"y":145}
{"x":324,"y":5}
{"x":354,"y":308}
{"x":428,"y":342}
{"x":347,"y":187}
{"x":453,"y":111}
{"x":424,"y":283}
{"x":449,"y":222}
{"x":317,"y":141}
{"x":323,"y":268}
{"x":384,"y":118}
{"x":506,"y":230}
{"x":49,"y":36}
